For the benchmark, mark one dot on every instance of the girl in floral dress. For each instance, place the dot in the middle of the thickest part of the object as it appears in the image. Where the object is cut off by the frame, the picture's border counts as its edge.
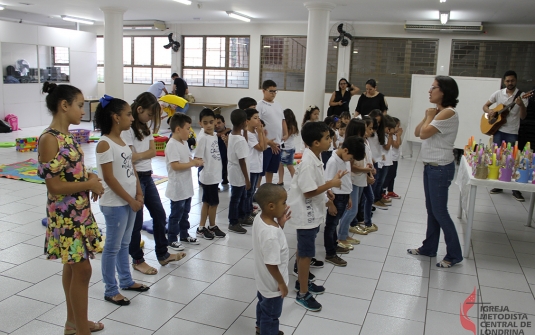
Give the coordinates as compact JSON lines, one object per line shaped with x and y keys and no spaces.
{"x":72,"y":233}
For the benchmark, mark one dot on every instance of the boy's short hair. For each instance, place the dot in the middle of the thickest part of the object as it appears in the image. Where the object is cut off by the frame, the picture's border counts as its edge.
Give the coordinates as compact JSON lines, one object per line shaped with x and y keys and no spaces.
{"x":206,"y":112}
{"x":238,"y":117}
{"x":268,"y":83}
{"x":263,"y":123}
{"x":179,"y":120}
{"x":250,"y":113}
{"x":219,"y":117}
{"x":268,"y":193}
{"x":246,"y":102}
{"x":313,"y":131}
{"x":345,"y":115}
{"x":355,"y":146}
{"x":343,"y":125}
{"x":174,"y":75}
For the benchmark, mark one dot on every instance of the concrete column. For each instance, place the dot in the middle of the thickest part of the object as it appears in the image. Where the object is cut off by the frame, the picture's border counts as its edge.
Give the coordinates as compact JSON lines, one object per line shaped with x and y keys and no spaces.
{"x":344,"y":62}
{"x":319,"y":14}
{"x":113,"y":51}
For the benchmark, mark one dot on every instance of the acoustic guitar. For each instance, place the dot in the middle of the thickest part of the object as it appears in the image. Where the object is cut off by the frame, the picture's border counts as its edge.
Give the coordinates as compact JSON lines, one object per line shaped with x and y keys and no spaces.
{"x":489,"y":126}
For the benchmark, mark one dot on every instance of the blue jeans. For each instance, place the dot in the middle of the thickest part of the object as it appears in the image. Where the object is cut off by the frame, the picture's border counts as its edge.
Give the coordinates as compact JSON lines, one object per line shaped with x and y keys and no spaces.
{"x":236,"y":208}
{"x":437,"y":180}
{"x":253,"y":177}
{"x":268,"y":312}
{"x":119,"y":225}
{"x":367,"y":195}
{"x":182,"y":110}
{"x":508,"y":138}
{"x":349,"y":215}
{"x":330,"y":237}
{"x":379,"y":182}
{"x":154,"y":205}
{"x":179,"y":220}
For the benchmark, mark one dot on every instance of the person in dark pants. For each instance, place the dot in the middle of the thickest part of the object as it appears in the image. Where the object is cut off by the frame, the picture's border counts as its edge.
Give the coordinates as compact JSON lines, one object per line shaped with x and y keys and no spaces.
{"x":526,"y":132}
{"x":222,"y":139}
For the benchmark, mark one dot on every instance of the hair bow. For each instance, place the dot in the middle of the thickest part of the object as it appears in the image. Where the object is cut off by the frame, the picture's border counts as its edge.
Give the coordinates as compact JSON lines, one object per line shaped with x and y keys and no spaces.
{"x":105,"y":100}
{"x":311,"y":107}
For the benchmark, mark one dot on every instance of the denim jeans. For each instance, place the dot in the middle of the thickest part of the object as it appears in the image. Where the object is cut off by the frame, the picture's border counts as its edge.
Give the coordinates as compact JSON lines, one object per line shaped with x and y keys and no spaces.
{"x":250,"y":193}
{"x":437,"y":180}
{"x":179,"y":219}
{"x":367,"y":195}
{"x":154,"y":205}
{"x":508,"y":138}
{"x":330,"y":237}
{"x":182,"y":110}
{"x":268,"y":312}
{"x":379,"y":182}
{"x":119,"y":225}
{"x":391,"y":177}
{"x":236,"y":208}
{"x":350,"y":214}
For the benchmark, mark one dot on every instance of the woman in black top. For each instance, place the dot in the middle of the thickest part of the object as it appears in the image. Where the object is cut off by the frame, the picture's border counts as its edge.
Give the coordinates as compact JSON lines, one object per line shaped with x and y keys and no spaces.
{"x":340,"y":99}
{"x":371,"y":100}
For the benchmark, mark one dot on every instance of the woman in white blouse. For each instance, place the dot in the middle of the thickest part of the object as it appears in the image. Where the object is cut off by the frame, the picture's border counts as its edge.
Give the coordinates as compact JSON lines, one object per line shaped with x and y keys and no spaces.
{"x":438,"y":130}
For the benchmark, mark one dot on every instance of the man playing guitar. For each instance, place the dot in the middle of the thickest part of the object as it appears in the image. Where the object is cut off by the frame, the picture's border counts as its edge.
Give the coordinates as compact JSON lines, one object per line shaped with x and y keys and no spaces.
{"x":509,"y":131}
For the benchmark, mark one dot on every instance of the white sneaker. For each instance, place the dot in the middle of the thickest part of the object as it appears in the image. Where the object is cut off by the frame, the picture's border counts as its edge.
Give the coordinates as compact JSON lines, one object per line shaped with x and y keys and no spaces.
{"x":177,"y":246}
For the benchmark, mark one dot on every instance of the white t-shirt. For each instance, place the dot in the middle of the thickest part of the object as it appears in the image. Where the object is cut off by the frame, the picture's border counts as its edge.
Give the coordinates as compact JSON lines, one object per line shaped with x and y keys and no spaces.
{"x":307,"y":213}
{"x":340,"y":141}
{"x":272,"y":114}
{"x":156,"y":89}
{"x":269,"y":247}
{"x":395,"y":151}
{"x":513,"y":119}
{"x":376,"y":148}
{"x":237,"y":149}
{"x":208,"y":150}
{"x":180,"y":184}
{"x":289,"y":144}
{"x":256,"y":157}
{"x":387,"y":154}
{"x":359,"y":178}
{"x":123,"y":171}
{"x":335,"y":164}
{"x":130,"y":139}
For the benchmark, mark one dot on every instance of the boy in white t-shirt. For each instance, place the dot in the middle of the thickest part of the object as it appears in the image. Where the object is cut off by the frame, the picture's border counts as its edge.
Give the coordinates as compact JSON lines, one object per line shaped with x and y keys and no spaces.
{"x":238,"y":175}
{"x":210,"y":176}
{"x":271,"y":256}
{"x":180,"y":185}
{"x":273,"y":115}
{"x":256,"y":139}
{"x":392,"y":171}
{"x":386,"y":162}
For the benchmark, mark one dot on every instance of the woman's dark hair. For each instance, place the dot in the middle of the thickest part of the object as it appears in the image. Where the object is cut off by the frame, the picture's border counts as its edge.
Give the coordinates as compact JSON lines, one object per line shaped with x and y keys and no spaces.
{"x":344,"y":79}
{"x":356,"y":127}
{"x":449,"y":88}
{"x":291,"y":122}
{"x":308,"y":113}
{"x":371,"y":82}
{"x":58,"y":93}
{"x":148,"y":101}
{"x":379,"y":127}
{"x":103,"y":115}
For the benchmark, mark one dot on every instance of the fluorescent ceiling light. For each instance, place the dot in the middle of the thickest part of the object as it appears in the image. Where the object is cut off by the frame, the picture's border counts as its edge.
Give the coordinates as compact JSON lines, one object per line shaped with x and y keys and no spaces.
{"x":442,"y":1}
{"x":76,"y":19}
{"x":238,"y":16}
{"x":267,"y":46}
{"x":355,"y":51}
{"x":2,"y":7}
{"x":185,"y":2}
{"x":444,"y":17}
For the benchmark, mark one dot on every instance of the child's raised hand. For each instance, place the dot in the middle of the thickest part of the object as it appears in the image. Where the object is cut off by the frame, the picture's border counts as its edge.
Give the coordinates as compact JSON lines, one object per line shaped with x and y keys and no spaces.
{"x":287,"y":215}
{"x":337,"y":180}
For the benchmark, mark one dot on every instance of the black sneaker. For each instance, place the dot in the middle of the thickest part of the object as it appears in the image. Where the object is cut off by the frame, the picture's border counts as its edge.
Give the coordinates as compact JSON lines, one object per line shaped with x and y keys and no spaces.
{"x":217,"y":232}
{"x":189,"y":240}
{"x":308,"y":302}
{"x":336,"y":260}
{"x":205,"y":233}
{"x":518,"y":196}
{"x":311,"y":276}
{"x":312,"y":288}
{"x":340,"y":250}
{"x":496,"y":191}
{"x":314,"y":263}
{"x":237,"y":228}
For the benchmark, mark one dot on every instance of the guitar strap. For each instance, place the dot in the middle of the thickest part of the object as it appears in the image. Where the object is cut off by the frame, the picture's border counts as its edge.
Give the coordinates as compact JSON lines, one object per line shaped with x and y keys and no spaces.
{"x":516,"y":96}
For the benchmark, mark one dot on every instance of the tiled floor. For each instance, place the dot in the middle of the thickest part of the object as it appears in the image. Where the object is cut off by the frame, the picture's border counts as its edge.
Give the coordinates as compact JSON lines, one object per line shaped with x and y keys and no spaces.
{"x":383,"y":290}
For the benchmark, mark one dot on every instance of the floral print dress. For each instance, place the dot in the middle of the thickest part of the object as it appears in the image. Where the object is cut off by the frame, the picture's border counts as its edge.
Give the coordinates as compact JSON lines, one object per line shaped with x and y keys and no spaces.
{"x":72,"y":233}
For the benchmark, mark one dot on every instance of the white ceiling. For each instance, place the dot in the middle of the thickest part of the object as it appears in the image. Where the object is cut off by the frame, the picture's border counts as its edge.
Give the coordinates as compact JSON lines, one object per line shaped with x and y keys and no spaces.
{"x":377,"y":11}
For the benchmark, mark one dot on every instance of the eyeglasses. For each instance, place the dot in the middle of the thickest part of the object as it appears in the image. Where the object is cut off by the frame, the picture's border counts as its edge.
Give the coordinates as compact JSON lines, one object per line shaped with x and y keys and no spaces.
{"x":273,"y":91}
{"x":433,"y":87}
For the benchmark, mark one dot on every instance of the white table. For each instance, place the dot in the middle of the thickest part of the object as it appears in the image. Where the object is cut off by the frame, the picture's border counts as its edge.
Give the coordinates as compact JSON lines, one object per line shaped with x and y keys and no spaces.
{"x":468,"y":187}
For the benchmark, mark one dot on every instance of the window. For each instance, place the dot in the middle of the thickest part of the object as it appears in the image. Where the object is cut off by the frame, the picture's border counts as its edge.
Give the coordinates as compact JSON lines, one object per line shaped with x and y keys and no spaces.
{"x":61,"y":59}
{"x":474,"y":58}
{"x":144,"y":58}
{"x":216,"y":61}
{"x":283,"y":60}
{"x":392,"y":62}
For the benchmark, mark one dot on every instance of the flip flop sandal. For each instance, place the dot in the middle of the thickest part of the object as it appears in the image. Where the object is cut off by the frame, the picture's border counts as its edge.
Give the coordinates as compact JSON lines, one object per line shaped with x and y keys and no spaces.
{"x":142,"y":288}
{"x":444,"y":264}
{"x":150,"y":271}
{"x":71,"y":330}
{"x":173,"y":258}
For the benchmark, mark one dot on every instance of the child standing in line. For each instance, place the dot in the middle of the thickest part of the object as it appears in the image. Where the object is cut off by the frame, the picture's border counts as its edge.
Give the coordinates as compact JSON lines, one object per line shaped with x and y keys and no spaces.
{"x":312,"y":114}
{"x":180,"y":185}
{"x":341,"y":133}
{"x":352,"y":148}
{"x":392,"y":172}
{"x":288,"y":147}
{"x":72,"y":234}
{"x":122,"y":196}
{"x":387,"y":161}
{"x":345,"y":117}
{"x":222,"y":140}
{"x":256,"y":139}
{"x":308,"y":200}
{"x":238,"y":152}
{"x":271,"y":256}
{"x":331,"y":123}
{"x":377,"y":141}
{"x":210,"y":176}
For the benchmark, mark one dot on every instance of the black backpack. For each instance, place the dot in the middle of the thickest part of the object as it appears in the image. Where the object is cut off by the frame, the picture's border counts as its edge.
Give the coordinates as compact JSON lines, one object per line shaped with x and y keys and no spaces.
{"x":5,"y":127}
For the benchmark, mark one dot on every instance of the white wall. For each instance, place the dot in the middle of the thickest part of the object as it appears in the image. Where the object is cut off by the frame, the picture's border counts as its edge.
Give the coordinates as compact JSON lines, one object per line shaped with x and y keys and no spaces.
{"x":25,"y":100}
